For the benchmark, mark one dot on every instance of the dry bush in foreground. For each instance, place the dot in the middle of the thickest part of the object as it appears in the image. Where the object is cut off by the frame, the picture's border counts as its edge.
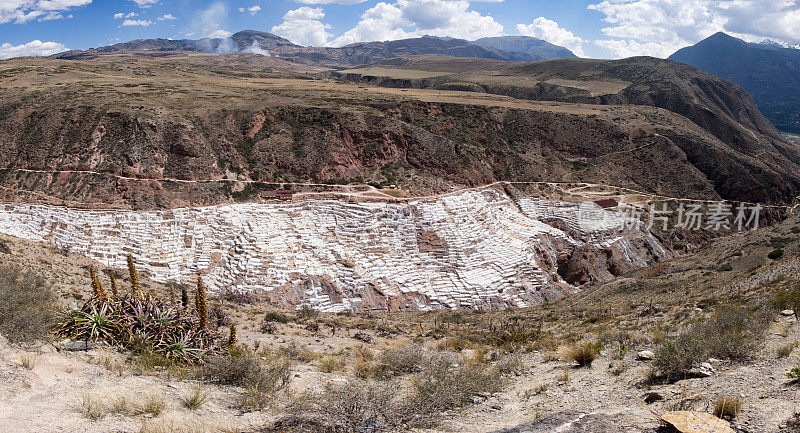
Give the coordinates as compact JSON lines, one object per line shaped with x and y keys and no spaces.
{"x":243,"y":367}
{"x":358,"y":405}
{"x":27,"y":360}
{"x":440,"y":383}
{"x":786,"y":349}
{"x":732,"y":333}
{"x":727,"y":407}
{"x":407,"y":359}
{"x":582,"y":353}
{"x":443,"y":385}
{"x":26,"y":305}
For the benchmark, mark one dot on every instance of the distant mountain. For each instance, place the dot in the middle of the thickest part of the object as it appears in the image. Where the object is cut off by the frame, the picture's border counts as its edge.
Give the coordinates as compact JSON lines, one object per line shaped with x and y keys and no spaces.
{"x":255,"y":42}
{"x":769,"y":72}
{"x":369,"y":52}
{"x":245,"y":41}
{"x":543,"y":50}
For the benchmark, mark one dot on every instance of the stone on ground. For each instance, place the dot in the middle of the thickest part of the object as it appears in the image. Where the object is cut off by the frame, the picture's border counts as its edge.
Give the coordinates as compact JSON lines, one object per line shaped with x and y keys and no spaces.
{"x":696,"y":422}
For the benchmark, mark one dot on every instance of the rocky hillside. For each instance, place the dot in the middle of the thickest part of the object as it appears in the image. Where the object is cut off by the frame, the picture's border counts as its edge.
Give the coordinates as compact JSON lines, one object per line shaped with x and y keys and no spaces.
{"x":129,"y":136}
{"x":721,"y":108}
{"x":769,"y":72}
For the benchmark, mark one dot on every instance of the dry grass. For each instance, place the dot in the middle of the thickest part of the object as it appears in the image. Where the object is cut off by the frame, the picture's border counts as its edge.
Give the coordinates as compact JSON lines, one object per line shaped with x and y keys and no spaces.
{"x":93,"y":408}
{"x":329,"y":364}
{"x":582,"y":353}
{"x":27,"y":360}
{"x":96,"y":407}
{"x":196,"y":399}
{"x":151,"y":405}
{"x":785,"y":350}
{"x":727,"y":407}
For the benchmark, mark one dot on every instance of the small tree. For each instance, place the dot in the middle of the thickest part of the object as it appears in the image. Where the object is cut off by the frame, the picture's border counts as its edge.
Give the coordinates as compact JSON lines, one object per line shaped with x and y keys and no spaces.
{"x":136,"y":289}
{"x":200,"y":304}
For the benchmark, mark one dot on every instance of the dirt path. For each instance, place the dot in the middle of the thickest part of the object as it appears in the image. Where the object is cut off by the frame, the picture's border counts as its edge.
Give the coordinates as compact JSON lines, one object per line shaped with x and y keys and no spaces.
{"x":370,"y":192}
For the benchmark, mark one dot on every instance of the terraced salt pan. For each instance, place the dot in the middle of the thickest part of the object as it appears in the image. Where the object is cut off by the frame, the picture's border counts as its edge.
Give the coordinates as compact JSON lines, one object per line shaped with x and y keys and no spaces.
{"x":488,"y":251}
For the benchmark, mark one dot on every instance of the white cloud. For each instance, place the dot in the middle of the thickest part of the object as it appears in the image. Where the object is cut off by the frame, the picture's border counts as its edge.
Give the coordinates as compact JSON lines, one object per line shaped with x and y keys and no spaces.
{"x":660,"y":27}
{"x":222,"y":34}
{"x":22,"y":11}
{"x":252,"y":9}
{"x":121,"y":15}
{"x":549,"y":30}
{"x":166,"y":17}
{"x":33,"y":48}
{"x":211,"y":22}
{"x":135,"y":23}
{"x":145,"y":3}
{"x":303,"y":26}
{"x":631,"y":48}
{"x":414,"y":18}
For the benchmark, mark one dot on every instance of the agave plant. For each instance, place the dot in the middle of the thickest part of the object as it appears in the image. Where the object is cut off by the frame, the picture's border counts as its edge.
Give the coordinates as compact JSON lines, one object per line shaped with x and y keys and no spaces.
{"x":98,"y":322}
{"x":187,"y":347}
{"x":139,"y":322}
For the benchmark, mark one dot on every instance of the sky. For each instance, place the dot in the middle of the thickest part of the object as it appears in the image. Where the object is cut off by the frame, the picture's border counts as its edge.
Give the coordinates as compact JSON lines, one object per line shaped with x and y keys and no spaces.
{"x":595,"y":28}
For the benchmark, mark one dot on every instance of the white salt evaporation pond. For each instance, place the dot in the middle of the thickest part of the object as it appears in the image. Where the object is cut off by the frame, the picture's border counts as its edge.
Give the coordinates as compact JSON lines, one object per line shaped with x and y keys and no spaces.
{"x":472,"y":249}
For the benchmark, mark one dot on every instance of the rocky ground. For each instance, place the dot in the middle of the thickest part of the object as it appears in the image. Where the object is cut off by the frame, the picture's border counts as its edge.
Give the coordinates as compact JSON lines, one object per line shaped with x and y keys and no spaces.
{"x":46,"y":390}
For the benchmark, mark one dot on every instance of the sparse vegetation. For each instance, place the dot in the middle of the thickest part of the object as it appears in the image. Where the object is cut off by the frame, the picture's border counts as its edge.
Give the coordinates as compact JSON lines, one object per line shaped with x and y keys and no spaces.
{"x":241,"y":366}
{"x":583,"y":353}
{"x":27,"y":360}
{"x":727,"y":407}
{"x":732,"y":333}
{"x":196,"y":399}
{"x":26,"y":305}
{"x":786,"y":349}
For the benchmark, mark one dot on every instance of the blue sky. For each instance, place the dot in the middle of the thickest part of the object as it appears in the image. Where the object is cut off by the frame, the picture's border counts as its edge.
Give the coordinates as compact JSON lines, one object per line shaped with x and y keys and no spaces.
{"x":601,"y":29}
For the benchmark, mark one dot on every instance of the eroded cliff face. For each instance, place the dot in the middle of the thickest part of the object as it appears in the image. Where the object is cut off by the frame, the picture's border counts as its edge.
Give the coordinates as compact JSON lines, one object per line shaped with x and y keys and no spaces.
{"x":474,"y":249}
{"x":138,"y":161}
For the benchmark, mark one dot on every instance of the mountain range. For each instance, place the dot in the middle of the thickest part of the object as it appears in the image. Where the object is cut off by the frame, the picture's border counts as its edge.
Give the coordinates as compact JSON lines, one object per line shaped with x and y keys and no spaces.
{"x":511,"y":48}
{"x":768,"y":71}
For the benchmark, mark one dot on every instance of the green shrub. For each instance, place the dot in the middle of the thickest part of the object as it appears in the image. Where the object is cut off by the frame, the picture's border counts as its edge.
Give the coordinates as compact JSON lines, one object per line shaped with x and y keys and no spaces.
{"x":26,"y":305}
{"x":775,"y":254}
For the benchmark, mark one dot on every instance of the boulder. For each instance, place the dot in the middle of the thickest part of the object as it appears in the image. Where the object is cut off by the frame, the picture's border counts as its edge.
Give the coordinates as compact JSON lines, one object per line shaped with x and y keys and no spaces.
{"x":363,"y":336}
{"x":645,"y":355}
{"x":703,"y":370}
{"x":75,"y":345}
{"x":696,"y":422}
